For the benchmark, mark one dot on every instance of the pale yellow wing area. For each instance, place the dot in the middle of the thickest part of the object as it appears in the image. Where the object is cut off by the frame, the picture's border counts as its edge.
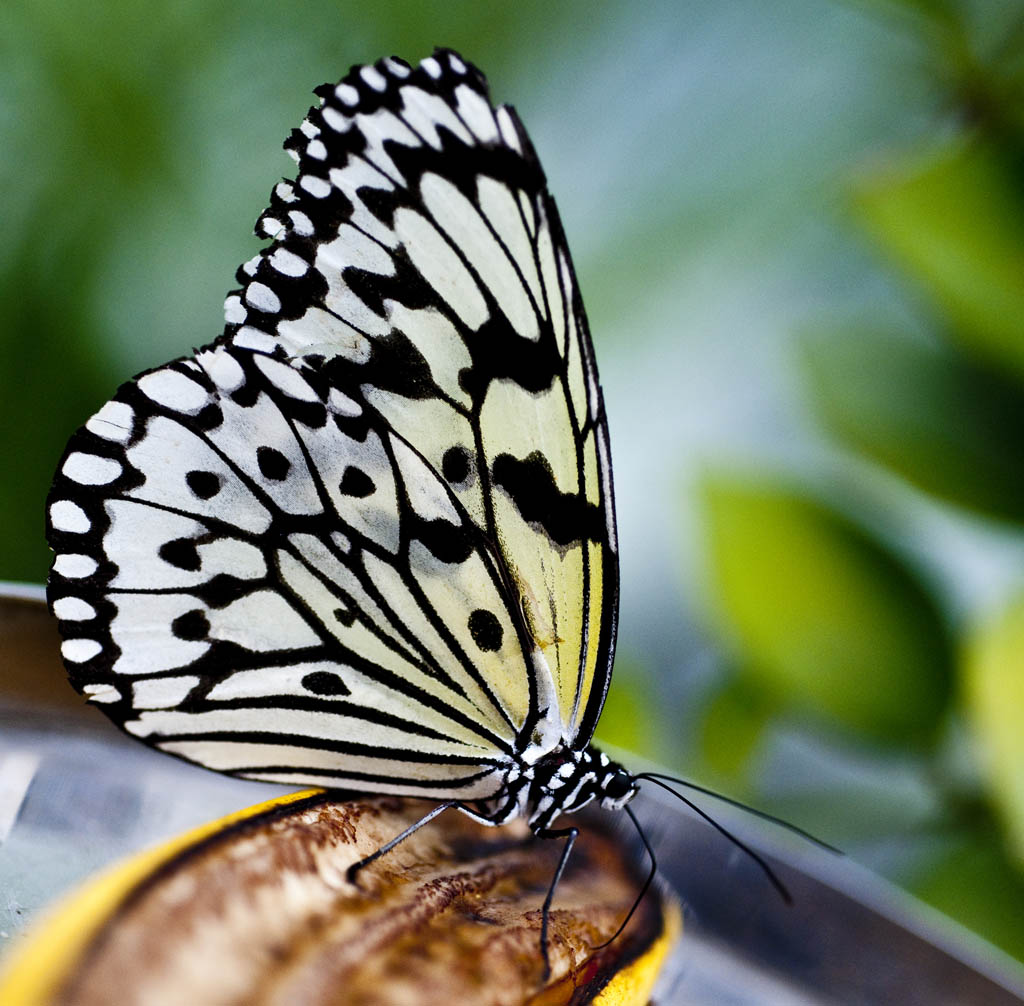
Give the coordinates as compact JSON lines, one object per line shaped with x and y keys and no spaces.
{"x":419,"y":257}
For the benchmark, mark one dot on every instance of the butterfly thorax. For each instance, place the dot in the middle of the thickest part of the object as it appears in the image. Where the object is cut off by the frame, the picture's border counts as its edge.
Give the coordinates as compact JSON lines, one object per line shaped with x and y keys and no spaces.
{"x":566,"y":780}
{"x":560,"y":782}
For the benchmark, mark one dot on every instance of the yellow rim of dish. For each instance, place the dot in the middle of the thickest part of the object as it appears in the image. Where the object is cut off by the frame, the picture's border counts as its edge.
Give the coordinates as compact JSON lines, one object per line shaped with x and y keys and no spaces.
{"x":51,"y":948}
{"x":633,"y":984}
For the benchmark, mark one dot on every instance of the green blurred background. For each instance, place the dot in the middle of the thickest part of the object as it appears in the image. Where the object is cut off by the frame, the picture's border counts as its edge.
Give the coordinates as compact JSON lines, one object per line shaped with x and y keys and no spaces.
{"x":799,"y":229}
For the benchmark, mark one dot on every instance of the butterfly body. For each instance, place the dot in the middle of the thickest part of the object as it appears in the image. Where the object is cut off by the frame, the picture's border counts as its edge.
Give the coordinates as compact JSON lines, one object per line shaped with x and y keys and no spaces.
{"x":559,"y":782}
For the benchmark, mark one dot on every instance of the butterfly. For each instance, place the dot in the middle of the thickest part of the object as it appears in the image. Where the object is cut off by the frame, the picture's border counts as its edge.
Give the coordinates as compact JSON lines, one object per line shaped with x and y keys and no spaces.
{"x":366,"y":539}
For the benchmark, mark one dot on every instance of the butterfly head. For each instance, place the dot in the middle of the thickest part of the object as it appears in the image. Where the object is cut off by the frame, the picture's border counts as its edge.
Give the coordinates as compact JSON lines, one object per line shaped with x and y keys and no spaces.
{"x":616,"y":786}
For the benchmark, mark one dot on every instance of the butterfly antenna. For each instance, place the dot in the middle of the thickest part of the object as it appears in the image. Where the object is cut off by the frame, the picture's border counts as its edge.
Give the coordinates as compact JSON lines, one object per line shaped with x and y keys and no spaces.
{"x":765,"y":868}
{"x":653,"y":776}
{"x":647,"y":882}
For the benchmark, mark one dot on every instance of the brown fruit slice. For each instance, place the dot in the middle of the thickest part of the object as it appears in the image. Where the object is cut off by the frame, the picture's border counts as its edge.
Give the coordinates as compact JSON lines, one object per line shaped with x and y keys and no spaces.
{"x":255,"y":909}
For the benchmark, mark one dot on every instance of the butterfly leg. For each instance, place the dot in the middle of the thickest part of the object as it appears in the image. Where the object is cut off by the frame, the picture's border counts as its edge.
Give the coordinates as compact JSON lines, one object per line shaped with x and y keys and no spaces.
{"x":570,"y":835}
{"x":350,"y":874}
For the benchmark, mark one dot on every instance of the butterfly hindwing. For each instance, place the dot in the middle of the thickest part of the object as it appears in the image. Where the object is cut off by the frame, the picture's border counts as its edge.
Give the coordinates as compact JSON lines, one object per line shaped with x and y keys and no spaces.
{"x":365,"y":538}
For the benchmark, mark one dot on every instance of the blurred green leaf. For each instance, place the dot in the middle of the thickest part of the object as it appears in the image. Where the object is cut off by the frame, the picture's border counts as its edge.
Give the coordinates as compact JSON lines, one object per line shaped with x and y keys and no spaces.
{"x":627,"y":720}
{"x":951,"y":427}
{"x":40,"y":294}
{"x":993,"y":670}
{"x":733,"y":726}
{"x":824,"y":618}
{"x":956,"y":223}
{"x":975,"y":884}
{"x":942,"y":12}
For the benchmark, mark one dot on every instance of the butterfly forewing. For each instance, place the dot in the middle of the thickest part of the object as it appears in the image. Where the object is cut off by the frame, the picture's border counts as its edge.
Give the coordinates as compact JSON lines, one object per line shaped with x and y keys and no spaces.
{"x":365,"y":538}
{"x":459,"y":249}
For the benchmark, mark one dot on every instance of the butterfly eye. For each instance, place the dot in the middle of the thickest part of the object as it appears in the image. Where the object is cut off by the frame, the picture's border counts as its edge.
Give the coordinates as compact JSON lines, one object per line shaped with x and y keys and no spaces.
{"x":619,"y":785}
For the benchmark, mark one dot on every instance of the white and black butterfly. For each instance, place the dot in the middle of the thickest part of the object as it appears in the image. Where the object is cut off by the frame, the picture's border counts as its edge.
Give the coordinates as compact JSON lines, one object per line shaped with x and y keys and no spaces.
{"x":366,"y":538}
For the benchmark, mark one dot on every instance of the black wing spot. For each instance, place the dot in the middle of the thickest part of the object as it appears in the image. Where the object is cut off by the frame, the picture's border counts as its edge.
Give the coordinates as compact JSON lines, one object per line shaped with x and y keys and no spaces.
{"x":455,"y":464}
{"x":181,"y":553}
{"x":344,"y":616}
{"x":473,"y":382}
{"x":273,"y":464}
{"x":448,"y":542}
{"x":485,"y":629}
{"x":311,"y":414}
{"x":355,"y":482}
{"x":204,"y":485}
{"x":565,"y":517}
{"x":193,"y":625}
{"x":325,"y":683}
{"x":210,"y":417}
{"x":246,"y":395}
{"x":396,"y":364}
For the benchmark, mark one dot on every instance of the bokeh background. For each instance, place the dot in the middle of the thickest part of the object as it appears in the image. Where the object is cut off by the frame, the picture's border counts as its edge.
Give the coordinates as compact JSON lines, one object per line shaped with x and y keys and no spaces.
{"x":799,"y":230}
